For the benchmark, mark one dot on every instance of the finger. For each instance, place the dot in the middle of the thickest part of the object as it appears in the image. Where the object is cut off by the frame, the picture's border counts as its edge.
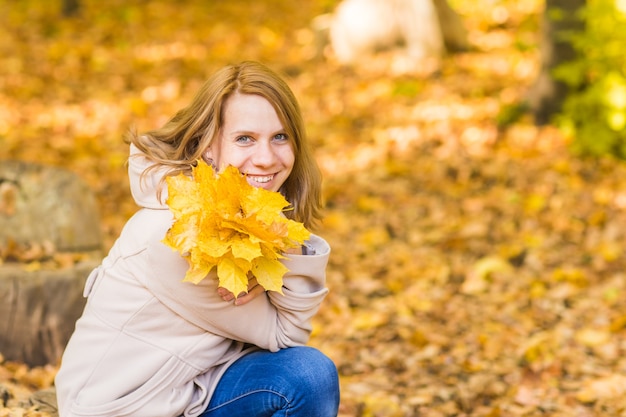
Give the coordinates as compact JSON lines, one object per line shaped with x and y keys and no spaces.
{"x":225,"y":294}
{"x":252,"y":282}
{"x":252,"y":294}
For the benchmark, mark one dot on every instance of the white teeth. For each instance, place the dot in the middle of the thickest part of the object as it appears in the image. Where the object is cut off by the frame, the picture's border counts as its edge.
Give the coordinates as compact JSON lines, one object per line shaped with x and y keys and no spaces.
{"x":261,"y":179}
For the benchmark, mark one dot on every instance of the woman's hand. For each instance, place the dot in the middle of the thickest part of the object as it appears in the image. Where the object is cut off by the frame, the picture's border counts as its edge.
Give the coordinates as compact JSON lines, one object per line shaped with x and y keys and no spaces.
{"x":295,"y":251}
{"x":254,"y":289}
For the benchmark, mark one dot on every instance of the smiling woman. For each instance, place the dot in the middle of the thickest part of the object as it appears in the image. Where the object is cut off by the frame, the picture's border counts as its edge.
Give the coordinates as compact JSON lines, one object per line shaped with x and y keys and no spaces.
{"x":253,"y":140}
{"x":216,"y":122}
{"x":148,"y":342}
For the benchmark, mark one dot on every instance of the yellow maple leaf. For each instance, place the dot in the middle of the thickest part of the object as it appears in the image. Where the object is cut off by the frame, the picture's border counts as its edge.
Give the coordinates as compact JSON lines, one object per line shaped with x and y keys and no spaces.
{"x":222,"y":222}
{"x":265,"y":270}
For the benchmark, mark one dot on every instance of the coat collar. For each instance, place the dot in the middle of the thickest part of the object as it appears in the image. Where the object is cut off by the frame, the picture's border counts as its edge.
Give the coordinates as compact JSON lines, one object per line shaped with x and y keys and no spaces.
{"x":144,"y":187}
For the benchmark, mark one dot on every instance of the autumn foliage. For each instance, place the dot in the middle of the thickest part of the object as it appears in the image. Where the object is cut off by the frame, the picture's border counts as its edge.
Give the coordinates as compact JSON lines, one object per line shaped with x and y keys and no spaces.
{"x":476,"y":269}
{"x":222,"y":222}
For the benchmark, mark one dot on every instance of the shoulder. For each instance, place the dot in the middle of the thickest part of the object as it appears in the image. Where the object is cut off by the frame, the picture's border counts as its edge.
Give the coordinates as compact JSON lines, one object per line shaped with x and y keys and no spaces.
{"x":145,"y":228}
{"x":145,"y":180}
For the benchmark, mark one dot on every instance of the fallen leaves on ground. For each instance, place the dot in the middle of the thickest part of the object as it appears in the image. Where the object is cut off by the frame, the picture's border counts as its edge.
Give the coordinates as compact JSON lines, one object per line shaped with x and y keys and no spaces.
{"x":40,"y":255}
{"x":494,"y":286}
{"x":23,"y":390}
{"x":477,"y":270}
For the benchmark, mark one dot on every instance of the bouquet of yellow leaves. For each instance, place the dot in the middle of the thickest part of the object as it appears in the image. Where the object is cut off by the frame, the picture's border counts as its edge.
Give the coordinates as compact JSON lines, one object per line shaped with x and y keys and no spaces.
{"x":221,"y":221}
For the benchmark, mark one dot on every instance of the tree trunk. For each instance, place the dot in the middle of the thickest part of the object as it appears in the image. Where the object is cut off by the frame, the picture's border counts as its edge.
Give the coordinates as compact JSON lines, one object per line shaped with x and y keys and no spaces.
{"x":70,"y":8}
{"x":38,"y":311}
{"x":452,"y":27}
{"x":560,"y":19}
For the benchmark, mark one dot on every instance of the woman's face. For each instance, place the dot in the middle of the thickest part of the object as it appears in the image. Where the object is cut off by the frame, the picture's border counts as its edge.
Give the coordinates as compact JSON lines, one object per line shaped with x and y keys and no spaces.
{"x":253,"y":139}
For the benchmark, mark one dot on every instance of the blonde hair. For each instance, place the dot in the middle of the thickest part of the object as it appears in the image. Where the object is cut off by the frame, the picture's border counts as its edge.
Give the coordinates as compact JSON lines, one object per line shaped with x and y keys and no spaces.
{"x":181,"y":142}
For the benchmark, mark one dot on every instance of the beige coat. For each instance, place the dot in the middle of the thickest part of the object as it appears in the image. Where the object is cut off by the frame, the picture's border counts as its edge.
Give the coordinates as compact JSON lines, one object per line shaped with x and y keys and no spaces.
{"x":149,"y":344}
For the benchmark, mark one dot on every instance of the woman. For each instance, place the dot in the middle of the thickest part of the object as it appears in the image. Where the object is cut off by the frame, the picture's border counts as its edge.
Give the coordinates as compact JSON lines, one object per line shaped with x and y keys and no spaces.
{"x":149,"y":344}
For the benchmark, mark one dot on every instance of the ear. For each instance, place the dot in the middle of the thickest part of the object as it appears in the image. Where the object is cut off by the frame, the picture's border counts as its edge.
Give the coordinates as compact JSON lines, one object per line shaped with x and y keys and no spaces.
{"x":208,"y":154}
{"x":209,"y":159}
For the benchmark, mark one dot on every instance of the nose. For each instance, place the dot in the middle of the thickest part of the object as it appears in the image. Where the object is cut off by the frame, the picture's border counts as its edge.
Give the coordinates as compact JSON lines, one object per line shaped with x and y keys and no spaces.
{"x":264,"y":154}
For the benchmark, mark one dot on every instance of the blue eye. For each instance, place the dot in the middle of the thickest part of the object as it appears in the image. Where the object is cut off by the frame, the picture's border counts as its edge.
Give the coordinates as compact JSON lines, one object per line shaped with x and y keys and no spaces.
{"x":244,"y":139}
{"x":281,"y":137}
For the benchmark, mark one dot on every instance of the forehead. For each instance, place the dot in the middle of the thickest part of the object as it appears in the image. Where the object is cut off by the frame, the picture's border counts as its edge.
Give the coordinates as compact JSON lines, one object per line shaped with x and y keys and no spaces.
{"x":247,"y":102}
{"x":249,"y":110}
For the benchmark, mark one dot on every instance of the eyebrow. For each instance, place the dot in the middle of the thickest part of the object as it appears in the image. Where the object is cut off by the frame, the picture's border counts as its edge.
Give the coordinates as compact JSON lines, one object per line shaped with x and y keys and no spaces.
{"x":253,"y":133}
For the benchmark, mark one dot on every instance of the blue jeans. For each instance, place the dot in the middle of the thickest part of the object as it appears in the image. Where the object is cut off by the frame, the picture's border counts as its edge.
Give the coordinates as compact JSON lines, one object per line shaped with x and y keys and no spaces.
{"x":294,"y":382}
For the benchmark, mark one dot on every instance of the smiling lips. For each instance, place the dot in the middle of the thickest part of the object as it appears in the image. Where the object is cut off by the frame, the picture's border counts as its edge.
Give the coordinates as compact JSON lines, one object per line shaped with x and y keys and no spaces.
{"x":259,"y":179}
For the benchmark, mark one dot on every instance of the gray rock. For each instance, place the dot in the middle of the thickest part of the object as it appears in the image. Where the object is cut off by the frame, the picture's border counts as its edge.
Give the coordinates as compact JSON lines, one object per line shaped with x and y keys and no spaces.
{"x":42,"y":204}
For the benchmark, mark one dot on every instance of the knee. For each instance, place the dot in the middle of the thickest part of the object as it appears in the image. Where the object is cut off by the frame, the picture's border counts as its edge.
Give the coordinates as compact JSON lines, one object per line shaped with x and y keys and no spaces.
{"x":318,"y":375}
{"x":313,"y":382}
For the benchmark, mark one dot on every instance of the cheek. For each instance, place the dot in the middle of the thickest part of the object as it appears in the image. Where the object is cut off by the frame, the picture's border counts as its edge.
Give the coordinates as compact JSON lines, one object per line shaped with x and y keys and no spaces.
{"x":232,"y":156}
{"x":289,"y":158}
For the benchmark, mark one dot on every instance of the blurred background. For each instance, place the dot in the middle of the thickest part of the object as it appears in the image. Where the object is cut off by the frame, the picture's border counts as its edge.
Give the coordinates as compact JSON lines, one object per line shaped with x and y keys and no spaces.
{"x":474,"y":185}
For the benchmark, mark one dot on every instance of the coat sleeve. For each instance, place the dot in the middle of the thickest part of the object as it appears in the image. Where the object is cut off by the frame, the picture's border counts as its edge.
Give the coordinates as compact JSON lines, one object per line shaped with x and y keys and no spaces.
{"x":271,"y":321}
